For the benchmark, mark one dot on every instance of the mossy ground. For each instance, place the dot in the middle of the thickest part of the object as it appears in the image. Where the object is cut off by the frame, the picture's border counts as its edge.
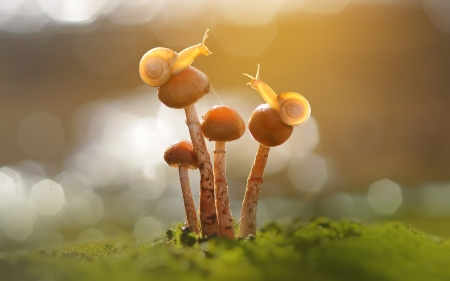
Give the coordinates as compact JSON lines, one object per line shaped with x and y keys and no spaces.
{"x":317,"y":250}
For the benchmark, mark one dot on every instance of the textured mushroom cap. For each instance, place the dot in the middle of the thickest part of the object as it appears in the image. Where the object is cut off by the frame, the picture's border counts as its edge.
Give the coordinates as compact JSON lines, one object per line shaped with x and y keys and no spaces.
{"x":267,"y":128}
{"x":222,"y":123}
{"x":181,"y":153}
{"x":184,"y":88}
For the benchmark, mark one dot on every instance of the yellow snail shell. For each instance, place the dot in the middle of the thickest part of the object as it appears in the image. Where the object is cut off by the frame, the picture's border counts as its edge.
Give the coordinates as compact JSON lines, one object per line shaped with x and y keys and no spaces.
{"x":294,"y":108}
{"x":155,"y":65}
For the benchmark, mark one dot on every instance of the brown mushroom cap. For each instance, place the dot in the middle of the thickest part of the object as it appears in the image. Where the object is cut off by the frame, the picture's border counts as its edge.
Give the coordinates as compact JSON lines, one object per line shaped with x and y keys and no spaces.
{"x":222,"y":123}
{"x":181,"y":153}
{"x":267,"y":128}
{"x":184,"y":88}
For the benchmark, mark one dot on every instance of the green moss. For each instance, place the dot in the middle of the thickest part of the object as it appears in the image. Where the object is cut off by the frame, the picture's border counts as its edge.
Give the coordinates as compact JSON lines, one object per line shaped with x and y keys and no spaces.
{"x":317,"y":250}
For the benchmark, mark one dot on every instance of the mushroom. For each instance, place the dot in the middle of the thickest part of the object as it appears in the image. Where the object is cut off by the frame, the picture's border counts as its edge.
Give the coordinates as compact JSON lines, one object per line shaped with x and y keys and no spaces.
{"x":181,"y":155}
{"x":180,"y":87}
{"x":182,"y":91}
{"x":266,"y":127}
{"x":270,"y":124}
{"x":221,"y":124}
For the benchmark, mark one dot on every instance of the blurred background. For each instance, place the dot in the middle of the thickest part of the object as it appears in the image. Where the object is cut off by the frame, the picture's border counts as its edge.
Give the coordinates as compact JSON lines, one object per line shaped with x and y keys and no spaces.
{"x":82,"y":137}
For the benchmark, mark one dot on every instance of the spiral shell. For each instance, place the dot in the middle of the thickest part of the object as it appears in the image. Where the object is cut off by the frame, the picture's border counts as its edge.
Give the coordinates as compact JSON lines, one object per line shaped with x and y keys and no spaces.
{"x":294,"y":108}
{"x":155,"y":65}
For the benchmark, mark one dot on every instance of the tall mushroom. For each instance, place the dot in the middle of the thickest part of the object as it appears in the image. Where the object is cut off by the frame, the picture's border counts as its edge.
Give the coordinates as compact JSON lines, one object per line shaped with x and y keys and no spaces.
{"x":180,"y":86}
{"x":221,"y":124}
{"x":270,"y":124}
{"x":181,"y":155}
{"x":182,"y":91}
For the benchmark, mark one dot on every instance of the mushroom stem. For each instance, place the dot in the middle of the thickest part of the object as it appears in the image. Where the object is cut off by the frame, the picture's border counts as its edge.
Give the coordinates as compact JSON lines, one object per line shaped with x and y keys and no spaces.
{"x":189,"y":207}
{"x":254,"y":181}
{"x":207,"y":210}
{"x":221,"y":189}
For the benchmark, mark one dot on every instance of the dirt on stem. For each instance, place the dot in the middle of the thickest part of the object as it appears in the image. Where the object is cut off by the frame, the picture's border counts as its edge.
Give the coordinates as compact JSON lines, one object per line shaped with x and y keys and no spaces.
{"x":221,"y":189}
{"x":207,"y":210}
{"x":249,"y":205}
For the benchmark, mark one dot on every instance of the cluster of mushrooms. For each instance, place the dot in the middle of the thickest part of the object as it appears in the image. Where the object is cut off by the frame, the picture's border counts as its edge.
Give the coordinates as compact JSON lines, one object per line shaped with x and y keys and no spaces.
{"x":179,"y":86}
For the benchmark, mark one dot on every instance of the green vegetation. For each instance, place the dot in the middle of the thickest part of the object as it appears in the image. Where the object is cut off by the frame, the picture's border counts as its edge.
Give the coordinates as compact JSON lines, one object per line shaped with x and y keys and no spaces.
{"x":317,"y":250}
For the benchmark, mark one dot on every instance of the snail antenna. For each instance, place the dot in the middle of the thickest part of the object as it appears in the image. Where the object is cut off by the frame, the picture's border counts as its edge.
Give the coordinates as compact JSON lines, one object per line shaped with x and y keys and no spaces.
{"x":205,"y":36}
{"x":257,"y":71}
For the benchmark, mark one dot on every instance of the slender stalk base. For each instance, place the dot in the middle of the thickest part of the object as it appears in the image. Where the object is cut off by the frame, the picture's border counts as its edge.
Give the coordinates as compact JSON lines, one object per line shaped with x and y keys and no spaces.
{"x":207,"y":210}
{"x":189,"y":206}
{"x":254,"y":181}
{"x":221,"y":189}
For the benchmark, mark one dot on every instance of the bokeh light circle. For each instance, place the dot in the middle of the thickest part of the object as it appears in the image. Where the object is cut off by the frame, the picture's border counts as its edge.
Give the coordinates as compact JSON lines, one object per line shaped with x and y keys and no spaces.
{"x":385,"y":196}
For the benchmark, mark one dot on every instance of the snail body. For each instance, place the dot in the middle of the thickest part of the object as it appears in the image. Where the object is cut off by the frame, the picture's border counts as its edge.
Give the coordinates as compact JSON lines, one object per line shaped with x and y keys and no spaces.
{"x":159,"y":64}
{"x":293,"y":108}
{"x":188,"y":55}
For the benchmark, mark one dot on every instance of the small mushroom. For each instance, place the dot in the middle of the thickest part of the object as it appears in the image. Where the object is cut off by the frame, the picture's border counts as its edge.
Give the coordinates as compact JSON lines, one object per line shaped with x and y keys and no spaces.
{"x":181,"y":155}
{"x":222,"y":124}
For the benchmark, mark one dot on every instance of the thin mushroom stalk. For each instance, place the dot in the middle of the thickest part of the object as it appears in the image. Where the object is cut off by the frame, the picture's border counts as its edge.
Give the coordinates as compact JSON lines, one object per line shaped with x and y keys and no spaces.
{"x":270,"y":124}
{"x":221,"y":189}
{"x":189,"y":206}
{"x":250,"y":203}
{"x":207,"y":209}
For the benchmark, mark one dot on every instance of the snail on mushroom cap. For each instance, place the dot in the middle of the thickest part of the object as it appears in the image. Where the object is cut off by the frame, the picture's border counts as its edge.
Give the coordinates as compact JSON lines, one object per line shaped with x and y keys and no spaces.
{"x":271,"y":125}
{"x":292,"y":107}
{"x":180,"y":86}
{"x":159,"y":64}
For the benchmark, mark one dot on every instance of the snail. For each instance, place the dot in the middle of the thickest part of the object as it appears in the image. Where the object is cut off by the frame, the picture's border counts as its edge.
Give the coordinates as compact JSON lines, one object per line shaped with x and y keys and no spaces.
{"x":159,"y":64}
{"x":292,"y":107}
